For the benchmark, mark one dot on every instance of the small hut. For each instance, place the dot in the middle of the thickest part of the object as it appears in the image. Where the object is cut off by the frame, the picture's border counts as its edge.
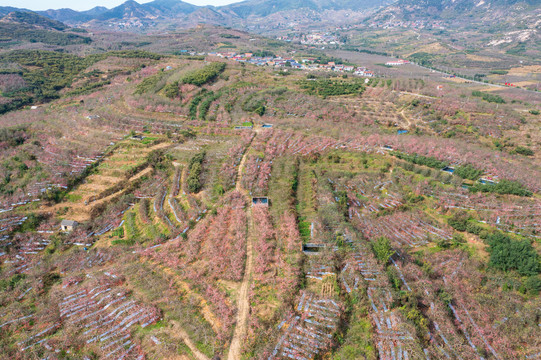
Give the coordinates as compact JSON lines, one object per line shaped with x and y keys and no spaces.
{"x":68,"y":225}
{"x":260,"y":201}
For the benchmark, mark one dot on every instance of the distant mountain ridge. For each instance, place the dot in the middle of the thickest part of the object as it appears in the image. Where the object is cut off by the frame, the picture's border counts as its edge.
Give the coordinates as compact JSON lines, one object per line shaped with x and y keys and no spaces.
{"x":262,"y":15}
{"x":453,"y":9}
{"x":264,"y":8}
{"x":177,"y":9}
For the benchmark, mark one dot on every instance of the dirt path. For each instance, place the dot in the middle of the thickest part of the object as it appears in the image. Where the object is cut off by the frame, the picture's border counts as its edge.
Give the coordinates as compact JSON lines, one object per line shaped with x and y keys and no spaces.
{"x":243,"y":303}
{"x":180,"y":333}
{"x":405,"y":117}
{"x":418,"y":95}
{"x":238,"y":186}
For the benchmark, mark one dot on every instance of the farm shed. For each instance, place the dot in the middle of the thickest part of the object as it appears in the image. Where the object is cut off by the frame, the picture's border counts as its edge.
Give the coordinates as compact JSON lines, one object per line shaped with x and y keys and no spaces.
{"x":260,"y":201}
{"x":448,"y":169}
{"x":68,"y":225}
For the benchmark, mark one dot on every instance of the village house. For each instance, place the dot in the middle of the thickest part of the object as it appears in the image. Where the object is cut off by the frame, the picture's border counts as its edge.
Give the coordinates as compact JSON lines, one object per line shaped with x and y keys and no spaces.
{"x":308,"y":64}
{"x":397,"y":62}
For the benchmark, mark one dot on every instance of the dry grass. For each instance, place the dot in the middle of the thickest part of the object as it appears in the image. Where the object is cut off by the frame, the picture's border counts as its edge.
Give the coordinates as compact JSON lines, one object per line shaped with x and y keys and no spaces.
{"x":525,"y":70}
{"x":480,"y":58}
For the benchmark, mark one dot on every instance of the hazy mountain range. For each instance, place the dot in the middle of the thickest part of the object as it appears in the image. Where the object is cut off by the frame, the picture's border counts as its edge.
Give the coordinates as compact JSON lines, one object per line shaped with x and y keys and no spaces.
{"x":176,"y":9}
{"x":456,"y":9}
{"x":265,"y":15}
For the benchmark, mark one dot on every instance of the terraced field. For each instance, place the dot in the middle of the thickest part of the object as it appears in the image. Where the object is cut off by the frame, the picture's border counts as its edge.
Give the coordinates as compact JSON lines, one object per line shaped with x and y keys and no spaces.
{"x":308,"y":229}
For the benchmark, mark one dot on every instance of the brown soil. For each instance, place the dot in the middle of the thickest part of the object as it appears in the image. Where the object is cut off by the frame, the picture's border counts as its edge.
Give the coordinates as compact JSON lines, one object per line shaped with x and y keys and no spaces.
{"x":243,"y":303}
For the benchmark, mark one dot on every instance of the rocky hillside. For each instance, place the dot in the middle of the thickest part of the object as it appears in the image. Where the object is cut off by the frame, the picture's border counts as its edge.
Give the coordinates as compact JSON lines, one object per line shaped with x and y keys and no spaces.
{"x":512,"y":25}
{"x":492,"y":12}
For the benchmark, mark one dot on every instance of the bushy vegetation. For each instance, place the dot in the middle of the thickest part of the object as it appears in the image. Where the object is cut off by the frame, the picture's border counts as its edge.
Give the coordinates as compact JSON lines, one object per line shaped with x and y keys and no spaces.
{"x":263,"y":53}
{"x":498,"y":72}
{"x":421,"y":160}
{"x":196,"y":167}
{"x":492,"y":98}
{"x":172,"y":90}
{"x":382,"y":249}
{"x":205,"y":104}
{"x":254,"y":104}
{"x":358,"y":342}
{"x":508,"y":254}
{"x":194,"y":104}
{"x":53,"y":71}
{"x":12,"y":136}
{"x":502,"y":187}
{"x":325,"y":88}
{"x":15,"y":103}
{"x":522,"y":150}
{"x":229,"y":36}
{"x":150,"y":84}
{"x":468,"y":172}
{"x":10,"y":283}
{"x":462,"y":221}
{"x":205,"y":75}
{"x":88,"y":88}
{"x":422,"y":58}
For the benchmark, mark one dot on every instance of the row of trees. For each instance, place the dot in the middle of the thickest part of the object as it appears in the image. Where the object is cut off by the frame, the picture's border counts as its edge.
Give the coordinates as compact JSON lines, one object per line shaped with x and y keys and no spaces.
{"x":205,"y":75}
{"x":195,"y":167}
{"x":508,"y":254}
{"x":325,"y":88}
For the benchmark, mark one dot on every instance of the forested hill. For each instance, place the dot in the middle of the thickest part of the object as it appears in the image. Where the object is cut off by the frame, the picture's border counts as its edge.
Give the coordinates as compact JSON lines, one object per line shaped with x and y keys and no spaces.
{"x":21,"y":27}
{"x":33,"y":19}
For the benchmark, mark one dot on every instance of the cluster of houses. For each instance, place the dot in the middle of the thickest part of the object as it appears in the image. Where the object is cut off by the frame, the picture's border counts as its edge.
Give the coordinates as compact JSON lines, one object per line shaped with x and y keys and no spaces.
{"x":130,"y":24}
{"x":308,"y":64}
{"x":414,"y":24}
{"x":398,"y":62}
{"x":316,"y":38}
